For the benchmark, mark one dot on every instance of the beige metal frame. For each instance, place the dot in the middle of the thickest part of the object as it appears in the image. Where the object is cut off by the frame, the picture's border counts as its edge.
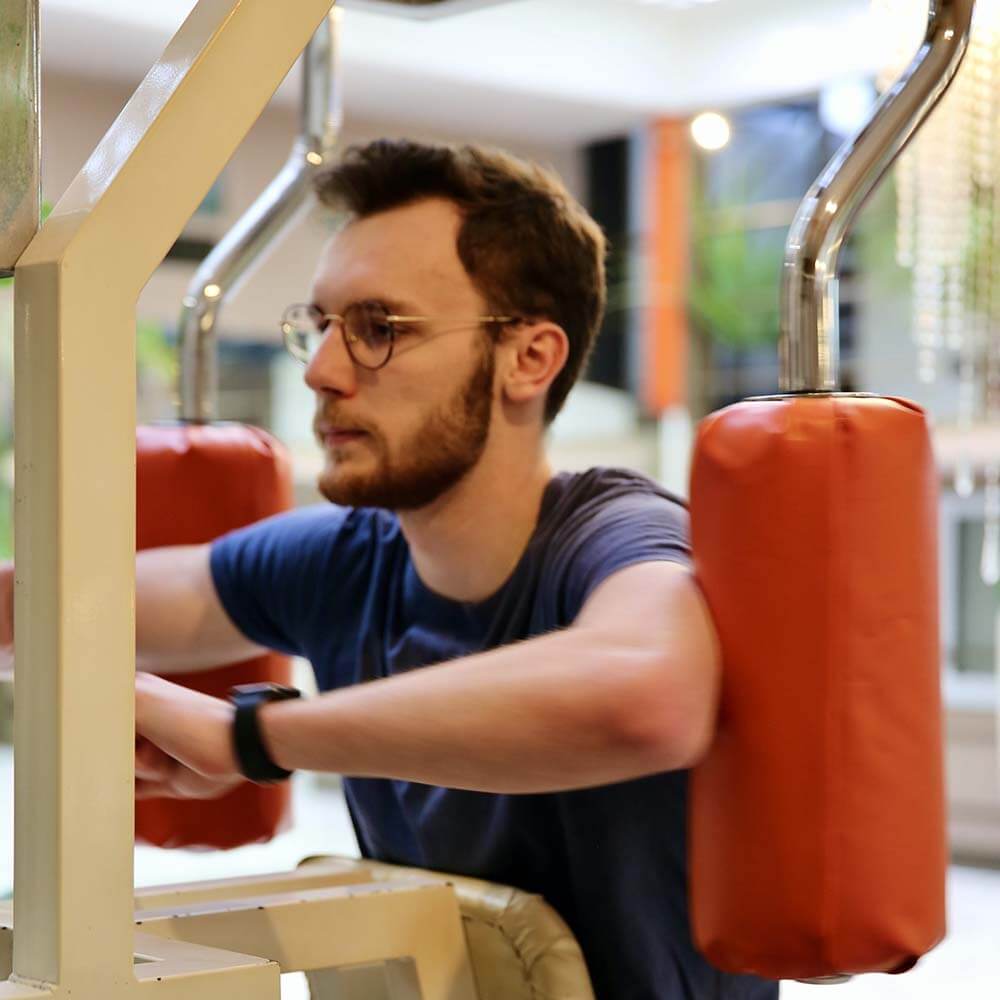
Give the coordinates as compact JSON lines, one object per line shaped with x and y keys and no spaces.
{"x":332,"y":915}
{"x":75,"y":293}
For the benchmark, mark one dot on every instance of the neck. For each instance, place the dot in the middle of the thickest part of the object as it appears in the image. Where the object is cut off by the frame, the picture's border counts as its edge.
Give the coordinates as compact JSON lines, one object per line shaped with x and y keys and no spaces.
{"x":466,"y":544}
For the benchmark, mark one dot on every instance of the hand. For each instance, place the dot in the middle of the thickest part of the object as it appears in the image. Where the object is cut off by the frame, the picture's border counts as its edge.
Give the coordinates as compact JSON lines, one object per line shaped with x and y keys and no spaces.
{"x":183,"y":742}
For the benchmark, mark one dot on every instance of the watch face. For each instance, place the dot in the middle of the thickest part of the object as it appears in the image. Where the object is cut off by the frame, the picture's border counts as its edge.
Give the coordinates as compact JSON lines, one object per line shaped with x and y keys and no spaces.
{"x":250,"y":694}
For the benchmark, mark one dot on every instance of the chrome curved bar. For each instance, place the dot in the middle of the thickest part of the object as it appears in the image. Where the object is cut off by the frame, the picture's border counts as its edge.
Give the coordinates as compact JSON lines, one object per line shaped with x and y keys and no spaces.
{"x":278,"y":207}
{"x":810,"y":336}
{"x":21,"y":191}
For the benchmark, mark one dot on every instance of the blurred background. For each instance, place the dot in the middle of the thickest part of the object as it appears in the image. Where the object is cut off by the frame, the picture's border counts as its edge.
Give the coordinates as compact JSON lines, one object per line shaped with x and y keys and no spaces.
{"x":690,"y":129}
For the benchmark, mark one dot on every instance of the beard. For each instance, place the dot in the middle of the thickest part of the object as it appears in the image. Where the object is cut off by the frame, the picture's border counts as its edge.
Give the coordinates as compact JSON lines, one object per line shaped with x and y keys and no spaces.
{"x":430,"y":461}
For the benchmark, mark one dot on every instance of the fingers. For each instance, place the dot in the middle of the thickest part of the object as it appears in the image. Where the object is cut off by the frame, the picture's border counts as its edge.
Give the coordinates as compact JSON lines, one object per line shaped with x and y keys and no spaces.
{"x":151,"y":763}
{"x":183,"y":746}
{"x":179,"y":782}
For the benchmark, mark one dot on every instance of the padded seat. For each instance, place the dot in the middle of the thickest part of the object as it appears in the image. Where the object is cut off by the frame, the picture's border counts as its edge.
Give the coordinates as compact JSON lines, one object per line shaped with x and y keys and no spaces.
{"x":519,"y":947}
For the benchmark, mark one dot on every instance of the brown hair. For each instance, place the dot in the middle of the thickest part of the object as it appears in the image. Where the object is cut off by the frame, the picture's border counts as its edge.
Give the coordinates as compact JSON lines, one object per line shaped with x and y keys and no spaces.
{"x":527,"y":245}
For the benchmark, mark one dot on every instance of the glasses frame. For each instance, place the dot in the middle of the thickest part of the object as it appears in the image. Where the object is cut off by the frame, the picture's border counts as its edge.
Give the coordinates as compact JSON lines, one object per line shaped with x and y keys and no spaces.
{"x":391,"y":318}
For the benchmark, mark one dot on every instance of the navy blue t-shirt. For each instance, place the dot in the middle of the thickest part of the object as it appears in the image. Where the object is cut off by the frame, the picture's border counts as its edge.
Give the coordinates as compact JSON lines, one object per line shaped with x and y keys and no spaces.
{"x":337,"y":586}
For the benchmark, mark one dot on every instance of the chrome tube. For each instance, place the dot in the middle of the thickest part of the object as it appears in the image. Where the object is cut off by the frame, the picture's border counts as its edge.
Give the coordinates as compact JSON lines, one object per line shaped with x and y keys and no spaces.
{"x":810,"y":335}
{"x":245,"y":246}
{"x":20,"y":153}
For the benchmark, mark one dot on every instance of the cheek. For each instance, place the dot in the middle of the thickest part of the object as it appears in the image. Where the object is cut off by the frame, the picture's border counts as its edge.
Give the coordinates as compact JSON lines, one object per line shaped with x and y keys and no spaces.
{"x":399,"y":404}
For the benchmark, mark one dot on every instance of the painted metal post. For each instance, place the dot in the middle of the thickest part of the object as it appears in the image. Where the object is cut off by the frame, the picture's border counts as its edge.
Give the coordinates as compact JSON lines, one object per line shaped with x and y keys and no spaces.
{"x":75,"y":293}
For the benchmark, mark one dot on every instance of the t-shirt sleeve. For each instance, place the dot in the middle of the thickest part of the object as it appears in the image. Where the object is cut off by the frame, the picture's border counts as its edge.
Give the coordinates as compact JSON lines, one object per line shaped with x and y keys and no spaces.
{"x":266,"y":574}
{"x":627,"y":530}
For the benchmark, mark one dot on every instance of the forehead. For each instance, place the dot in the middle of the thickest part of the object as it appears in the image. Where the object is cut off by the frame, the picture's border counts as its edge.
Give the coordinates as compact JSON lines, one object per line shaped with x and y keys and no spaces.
{"x":408,"y":253}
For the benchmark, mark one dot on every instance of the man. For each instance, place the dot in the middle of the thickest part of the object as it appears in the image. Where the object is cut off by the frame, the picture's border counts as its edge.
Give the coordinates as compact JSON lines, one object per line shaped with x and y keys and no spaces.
{"x":515,"y":667}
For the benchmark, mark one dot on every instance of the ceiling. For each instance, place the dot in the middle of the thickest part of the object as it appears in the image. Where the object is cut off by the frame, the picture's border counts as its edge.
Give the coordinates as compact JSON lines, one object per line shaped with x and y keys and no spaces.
{"x":553,"y":71}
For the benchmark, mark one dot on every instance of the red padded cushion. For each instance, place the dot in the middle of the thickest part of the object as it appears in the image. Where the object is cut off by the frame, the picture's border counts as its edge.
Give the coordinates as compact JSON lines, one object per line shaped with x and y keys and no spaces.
{"x":195,"y":483}
{"x":817,"y":819}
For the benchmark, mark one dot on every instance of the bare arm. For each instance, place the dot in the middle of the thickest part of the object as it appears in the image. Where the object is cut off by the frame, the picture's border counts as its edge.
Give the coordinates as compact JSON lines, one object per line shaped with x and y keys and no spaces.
{"x":180,"y":624}
{"x":630,"y":689}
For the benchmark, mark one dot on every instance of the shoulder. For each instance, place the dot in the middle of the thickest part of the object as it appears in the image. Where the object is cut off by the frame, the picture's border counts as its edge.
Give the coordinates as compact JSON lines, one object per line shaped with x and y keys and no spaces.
{"x":601,"y":492}
{"x":322,"y":520}
{"x":306,"y":535}
{"x":601,"y":521}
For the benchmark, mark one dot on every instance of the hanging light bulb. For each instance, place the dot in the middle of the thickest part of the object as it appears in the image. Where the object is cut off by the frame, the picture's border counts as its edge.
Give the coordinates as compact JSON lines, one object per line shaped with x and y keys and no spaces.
{"x":711,"y":131}
{"x":844,"y":105}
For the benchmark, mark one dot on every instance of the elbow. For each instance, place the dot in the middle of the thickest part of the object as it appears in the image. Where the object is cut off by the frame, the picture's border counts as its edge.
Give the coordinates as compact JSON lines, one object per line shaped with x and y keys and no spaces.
{"x":667,"y":716}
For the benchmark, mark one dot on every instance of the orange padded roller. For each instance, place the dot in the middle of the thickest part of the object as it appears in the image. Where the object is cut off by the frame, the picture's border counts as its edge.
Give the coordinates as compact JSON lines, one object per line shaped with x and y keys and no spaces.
{"x":817,"y":819}
{"x":194,"y":482}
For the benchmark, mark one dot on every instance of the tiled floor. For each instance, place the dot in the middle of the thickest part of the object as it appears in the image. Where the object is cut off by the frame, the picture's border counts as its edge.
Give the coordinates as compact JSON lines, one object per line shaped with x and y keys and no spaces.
{"x":965,"y":967}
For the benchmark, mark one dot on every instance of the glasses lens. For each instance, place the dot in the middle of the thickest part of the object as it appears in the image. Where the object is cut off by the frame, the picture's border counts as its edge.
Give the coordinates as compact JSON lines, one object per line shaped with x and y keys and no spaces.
{"x":368,"y":334}
{"x":303,"y":328}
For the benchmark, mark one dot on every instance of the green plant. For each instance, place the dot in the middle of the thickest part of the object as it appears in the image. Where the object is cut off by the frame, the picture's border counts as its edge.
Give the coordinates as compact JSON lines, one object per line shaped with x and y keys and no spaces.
{"x":875,"y":236}
{"x":155,"y":356}
{"x":733,"y":295}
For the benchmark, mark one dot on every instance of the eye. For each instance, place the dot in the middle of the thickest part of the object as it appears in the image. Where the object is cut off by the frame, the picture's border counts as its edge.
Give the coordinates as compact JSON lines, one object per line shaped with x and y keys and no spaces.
{"x":319,"y":319}
{"x":400,"y":329}
{"x":367,"y":323}
{"x":379,"y":326}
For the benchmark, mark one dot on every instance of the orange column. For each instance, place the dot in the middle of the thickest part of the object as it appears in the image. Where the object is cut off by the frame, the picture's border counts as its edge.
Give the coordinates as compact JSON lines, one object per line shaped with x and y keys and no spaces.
{"x":664,"y":350}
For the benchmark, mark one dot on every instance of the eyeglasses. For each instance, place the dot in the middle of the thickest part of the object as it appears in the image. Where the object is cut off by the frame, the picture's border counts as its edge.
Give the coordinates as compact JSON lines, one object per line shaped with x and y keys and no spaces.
{"x":370,"y":330}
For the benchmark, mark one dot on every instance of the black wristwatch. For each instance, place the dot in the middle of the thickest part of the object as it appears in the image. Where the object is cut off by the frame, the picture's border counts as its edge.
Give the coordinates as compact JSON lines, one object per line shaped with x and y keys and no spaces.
{"x":254,"y":760}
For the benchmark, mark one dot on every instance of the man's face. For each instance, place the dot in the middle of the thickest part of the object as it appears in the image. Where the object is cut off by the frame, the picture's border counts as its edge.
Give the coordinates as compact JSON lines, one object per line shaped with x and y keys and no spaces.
{"x":401,"y":436}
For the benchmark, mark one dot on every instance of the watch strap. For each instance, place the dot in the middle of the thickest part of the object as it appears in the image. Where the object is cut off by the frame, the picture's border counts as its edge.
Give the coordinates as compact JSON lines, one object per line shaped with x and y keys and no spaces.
{"x":254,"y":760}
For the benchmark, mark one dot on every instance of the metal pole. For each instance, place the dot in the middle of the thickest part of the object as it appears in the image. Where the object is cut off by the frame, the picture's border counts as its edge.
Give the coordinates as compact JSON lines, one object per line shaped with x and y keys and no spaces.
{"x":21,"y":187}
{"x":810,"y":335}
{"x":245,"y":246}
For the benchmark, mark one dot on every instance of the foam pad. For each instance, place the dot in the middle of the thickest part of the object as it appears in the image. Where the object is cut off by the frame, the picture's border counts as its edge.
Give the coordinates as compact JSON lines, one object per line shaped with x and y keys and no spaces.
{"x":195,"y":482}
{"x":818,"y":819}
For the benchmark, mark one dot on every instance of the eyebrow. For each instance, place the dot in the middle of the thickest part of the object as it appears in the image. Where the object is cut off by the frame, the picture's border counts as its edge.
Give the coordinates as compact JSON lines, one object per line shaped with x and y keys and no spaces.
{"x":396,"y":307}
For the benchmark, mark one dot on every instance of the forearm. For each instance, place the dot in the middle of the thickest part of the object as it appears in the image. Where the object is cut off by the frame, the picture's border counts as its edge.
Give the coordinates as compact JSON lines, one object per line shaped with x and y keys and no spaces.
{"x":179,"y":624}
{"x":565,"y":710}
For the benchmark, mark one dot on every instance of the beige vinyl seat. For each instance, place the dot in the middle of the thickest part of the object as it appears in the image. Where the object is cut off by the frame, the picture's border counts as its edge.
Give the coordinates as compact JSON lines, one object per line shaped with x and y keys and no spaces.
{"x":519,"y":947}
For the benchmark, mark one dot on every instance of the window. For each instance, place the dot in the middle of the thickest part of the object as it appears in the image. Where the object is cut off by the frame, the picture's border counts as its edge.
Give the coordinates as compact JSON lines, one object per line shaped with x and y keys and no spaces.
{"x":977,"y":607}
{"x":969,"y":607}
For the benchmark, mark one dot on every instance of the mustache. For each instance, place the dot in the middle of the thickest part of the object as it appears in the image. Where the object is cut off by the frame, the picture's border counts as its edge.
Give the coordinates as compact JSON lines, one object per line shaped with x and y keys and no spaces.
{"x":326,"y":420}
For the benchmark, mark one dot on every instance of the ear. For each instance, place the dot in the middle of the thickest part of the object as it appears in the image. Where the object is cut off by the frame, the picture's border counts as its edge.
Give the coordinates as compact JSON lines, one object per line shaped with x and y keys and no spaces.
{"x":535,"y":354}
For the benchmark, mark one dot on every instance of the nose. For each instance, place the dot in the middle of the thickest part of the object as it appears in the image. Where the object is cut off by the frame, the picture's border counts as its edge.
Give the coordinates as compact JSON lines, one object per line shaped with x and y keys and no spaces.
{"x":331,"y":368}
